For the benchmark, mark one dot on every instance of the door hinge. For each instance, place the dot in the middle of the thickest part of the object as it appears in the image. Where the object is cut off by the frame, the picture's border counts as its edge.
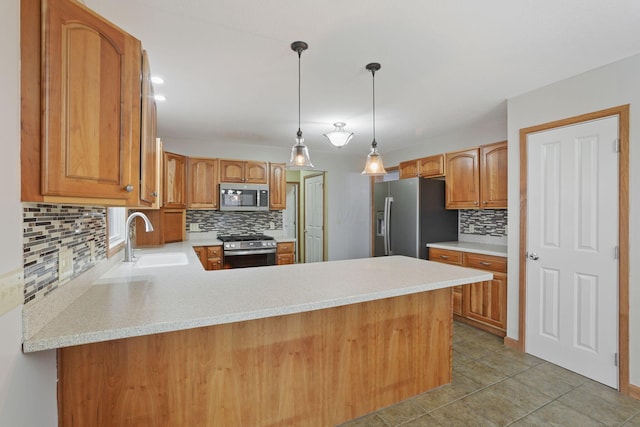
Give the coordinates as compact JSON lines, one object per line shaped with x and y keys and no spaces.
{"x":616,"y":252}
{"x":616,"y":146}
{"x":615,"y":359}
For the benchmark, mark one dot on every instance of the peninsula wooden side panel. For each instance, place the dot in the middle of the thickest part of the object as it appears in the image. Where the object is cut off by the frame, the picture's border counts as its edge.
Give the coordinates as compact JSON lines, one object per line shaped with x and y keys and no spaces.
{"x":317,"y":368}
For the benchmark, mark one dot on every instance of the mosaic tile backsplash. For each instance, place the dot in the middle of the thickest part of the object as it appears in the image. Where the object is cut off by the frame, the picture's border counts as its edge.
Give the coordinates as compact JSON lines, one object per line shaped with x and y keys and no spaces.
{"x":486,"y":222}
{"x":48,"y":229}
{"x":242,"y":223}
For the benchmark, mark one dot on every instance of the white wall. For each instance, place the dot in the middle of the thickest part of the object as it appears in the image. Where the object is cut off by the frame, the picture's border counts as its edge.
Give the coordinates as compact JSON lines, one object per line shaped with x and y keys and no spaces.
{"x":608,"y":86}
{"x":348,"y":191}
{"x":27,"y":382}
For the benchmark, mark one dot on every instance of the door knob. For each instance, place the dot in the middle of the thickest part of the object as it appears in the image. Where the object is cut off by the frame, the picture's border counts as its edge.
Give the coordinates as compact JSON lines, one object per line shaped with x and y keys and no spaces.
{"x":532,"y":256}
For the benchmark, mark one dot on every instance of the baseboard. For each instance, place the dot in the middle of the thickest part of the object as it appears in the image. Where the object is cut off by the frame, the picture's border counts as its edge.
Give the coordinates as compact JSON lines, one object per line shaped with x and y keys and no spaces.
{"x":634,"y":391}
{"x":512,"y":343}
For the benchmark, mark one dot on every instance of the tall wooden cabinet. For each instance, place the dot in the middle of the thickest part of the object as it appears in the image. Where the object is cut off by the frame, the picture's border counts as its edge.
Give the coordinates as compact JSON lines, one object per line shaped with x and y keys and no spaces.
{"x":202,"y":183}
{"x":277,"y":186}
{"x":175,"y":184}
{"x":90,"y":123}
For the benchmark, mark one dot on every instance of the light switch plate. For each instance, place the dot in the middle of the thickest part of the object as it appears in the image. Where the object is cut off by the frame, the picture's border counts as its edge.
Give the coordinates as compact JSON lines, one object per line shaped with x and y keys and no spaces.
{"x":65,"y":264}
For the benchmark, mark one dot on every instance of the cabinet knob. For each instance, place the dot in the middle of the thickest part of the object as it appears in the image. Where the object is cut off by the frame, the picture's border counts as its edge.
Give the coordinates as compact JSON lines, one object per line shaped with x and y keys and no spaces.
{"x":484,"y":202}
{"x":475,"y":202}
{"x":128,"y":188}
{"x":154,"y":194}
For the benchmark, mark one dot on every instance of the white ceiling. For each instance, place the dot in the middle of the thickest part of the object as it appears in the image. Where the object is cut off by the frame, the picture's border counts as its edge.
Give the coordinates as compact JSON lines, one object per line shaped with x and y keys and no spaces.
{"x":230,"y":74}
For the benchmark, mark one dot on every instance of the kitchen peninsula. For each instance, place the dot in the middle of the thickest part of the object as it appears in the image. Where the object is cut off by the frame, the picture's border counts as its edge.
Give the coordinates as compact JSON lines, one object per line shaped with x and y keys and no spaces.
{"x":305,"y":344}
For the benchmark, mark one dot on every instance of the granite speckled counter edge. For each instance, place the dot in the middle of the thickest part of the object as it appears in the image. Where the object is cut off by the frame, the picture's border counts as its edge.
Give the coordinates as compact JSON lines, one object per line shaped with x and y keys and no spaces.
{"x":128,"y":301}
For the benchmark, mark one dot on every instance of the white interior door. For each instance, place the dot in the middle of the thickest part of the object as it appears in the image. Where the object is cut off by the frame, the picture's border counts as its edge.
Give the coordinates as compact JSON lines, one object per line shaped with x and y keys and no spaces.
{"x":290,"y":216}
{"x":314,"y":218}
{"x":572,"y":243}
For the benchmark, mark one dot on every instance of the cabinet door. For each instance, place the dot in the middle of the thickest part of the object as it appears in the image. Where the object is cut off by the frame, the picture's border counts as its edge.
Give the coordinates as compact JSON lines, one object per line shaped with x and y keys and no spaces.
{"x":201,"y":252}
{"x":231,"y":170}
{"x":432,"y":166}
{"x":408,"y":169}
{"x":493,"y":175}
{"x":277,"y":186}
{"x":175,"y":169}
{"x":202,"y":188}
{"x":463,"y":179}
{"x":255,"y":172}
{"x":173,"y":225}
{"x":486,"y":302}
{"x":91,"y":105}
{"x":152,"y":238}
{"x":214,"y":264}
{"x":148,"y":145}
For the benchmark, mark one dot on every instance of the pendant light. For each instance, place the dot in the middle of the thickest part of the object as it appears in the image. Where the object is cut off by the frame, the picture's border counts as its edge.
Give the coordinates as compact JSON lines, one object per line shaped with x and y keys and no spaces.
{"x":339,"y":137}
{"x":299,"y":152}
{"x":374,"y":166}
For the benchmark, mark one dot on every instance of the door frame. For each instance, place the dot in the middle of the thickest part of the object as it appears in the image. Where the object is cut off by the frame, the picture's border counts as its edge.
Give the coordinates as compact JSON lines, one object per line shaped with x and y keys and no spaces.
{"x":622,"y":112}
{"x":324,"y":217}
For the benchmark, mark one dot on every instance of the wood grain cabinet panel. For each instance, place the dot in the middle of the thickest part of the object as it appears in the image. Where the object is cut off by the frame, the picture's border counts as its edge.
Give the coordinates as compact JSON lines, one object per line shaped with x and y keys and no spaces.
{"x":174,"y":179}
{"x":90,"y":106}
{"x":149,"y":153}
{"x":277,"y":186}
{"x":432,"y":166}
{"x":409,"y":169}
{"x":463,"y":179}
{"x":285,"y":253}
{"x":493,"y":175}
{"x":250,"y":172}
{"x":454,"y":258}
{"x":202,"y":184}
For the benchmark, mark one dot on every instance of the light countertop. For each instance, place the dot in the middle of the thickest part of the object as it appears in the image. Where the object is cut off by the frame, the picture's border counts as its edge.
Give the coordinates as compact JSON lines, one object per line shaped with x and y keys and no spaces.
{"x":478,"y":248}
{"x":129,"y":300}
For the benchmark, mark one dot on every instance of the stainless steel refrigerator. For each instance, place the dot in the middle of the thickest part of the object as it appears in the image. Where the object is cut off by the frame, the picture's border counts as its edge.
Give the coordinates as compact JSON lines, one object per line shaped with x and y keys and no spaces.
{"x":408,"y":214}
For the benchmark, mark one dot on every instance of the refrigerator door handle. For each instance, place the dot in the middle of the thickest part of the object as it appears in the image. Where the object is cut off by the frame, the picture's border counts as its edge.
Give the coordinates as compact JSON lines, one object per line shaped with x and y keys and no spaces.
{"x":387,"y":225}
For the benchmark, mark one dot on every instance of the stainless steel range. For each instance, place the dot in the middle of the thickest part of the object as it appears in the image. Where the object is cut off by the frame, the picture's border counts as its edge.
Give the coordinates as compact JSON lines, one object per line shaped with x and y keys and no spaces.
{"x":254,"y":250}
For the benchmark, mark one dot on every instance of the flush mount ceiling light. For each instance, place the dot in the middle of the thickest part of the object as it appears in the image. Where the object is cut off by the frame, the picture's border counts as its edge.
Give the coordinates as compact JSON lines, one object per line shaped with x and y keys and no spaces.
{"x":299,"y":152}
{"x":374,"y":166}
{"x":339,"y":137}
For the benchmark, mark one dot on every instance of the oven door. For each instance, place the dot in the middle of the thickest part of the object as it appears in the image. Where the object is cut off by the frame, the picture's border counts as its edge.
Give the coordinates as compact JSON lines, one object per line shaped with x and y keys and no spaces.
{"x":249,"y":258}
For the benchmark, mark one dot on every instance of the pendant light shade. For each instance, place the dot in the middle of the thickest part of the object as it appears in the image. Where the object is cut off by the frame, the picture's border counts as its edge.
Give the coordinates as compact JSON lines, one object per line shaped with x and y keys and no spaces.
{"x":374,"y":166}
{"x":339,"y":137}
{"x":299,"y":152}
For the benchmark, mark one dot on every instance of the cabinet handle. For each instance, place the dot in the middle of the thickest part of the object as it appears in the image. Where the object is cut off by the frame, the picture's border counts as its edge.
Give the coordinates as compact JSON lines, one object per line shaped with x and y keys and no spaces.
{"x":475,"y":202}
{"x":485,"y":263}
{"x":484,"y":202}
{"x":444,"y":256}
{"x":128,"y":188}
{"x":154,"y":194}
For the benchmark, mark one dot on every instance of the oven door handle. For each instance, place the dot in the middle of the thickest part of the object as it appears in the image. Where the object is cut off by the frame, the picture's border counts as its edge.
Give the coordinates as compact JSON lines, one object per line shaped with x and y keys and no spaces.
{"x":250,"y":252}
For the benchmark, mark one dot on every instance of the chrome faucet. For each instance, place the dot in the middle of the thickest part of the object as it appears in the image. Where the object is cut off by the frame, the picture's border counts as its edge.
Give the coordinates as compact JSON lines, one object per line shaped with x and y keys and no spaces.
{"x":148,"y":227}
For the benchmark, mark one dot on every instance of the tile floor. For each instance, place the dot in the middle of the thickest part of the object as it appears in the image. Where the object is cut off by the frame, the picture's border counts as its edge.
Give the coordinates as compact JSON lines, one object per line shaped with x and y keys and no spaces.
{"x":496,"y":386}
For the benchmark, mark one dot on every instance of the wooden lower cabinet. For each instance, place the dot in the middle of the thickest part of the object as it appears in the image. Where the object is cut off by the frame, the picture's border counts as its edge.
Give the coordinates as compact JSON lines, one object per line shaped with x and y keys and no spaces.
{"x":169,"y":225}
{"x":285,"y":253}
{"x":210,"y":256}
{"x":482,"y":304}
{"x":316,"y":368}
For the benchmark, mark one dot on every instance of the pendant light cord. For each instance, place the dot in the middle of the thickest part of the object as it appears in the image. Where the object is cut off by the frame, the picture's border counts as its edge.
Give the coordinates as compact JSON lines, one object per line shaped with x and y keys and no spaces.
{"x":299,"y":102}
{"x":373,"y":80}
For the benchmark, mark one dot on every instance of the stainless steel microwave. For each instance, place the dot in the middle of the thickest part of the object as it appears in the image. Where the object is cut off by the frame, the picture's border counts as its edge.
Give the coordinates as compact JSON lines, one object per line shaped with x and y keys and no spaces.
{"x":244,"y":197}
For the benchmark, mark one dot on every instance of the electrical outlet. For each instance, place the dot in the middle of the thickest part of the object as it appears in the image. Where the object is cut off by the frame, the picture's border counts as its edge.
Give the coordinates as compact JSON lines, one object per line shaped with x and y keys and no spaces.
{"x":65,"y":264}
{"x":272,"y":225}
{"x":472,"y":228}
{"x":194,"y":226}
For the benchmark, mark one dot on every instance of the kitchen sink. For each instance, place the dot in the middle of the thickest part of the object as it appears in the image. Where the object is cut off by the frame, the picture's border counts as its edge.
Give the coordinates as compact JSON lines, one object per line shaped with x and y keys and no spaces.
{"x":162,"y":260}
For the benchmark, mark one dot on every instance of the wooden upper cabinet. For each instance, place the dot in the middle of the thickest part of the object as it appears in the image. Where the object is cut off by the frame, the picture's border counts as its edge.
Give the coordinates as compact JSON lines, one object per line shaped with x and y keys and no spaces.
{"x":463,"y":179}
{"x":409,"y":169}
{"x":493,"y":175}
{"x":90,"y":106}
{"x":202,"y":186}
{"x":432,"y":166}
{"x":148,"y":145}
{"x":250,"y":172}
{"x":175,"y":184}
{"x":277,"y":186}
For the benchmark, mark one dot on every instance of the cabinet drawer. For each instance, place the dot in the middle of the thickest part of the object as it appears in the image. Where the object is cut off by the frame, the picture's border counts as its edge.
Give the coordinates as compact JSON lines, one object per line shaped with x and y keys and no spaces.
{"x":445,"y":255}
{"x":284,"y":259}
{"x":214,"y":251}
{"x":285,"y":248}
{"x":485,"y":262}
